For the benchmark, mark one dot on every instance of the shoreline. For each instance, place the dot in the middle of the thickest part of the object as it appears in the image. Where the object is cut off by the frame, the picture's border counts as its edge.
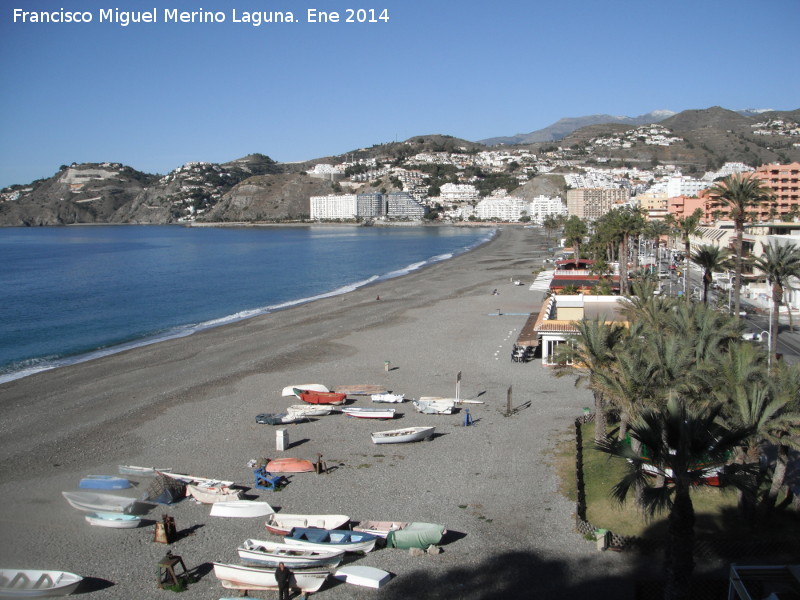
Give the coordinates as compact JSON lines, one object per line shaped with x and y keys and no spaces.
{"x":179,"y":331}
{"x":190,"y":404}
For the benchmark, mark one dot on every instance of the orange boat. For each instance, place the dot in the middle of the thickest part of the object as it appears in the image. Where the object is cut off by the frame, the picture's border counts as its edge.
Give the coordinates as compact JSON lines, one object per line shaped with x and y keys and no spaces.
{"x":290,"y":465}
{"x":313,"y":397}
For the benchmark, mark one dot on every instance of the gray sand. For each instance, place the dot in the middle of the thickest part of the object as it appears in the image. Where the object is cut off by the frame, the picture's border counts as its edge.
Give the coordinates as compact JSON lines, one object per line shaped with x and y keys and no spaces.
{"x":191,"y":403}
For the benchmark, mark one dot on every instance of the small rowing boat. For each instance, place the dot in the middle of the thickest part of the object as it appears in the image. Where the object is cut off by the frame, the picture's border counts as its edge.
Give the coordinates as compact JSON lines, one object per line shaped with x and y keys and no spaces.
{"x":241,"y":509}
{"x":32,"y":583}
{"x":400,"y":436}
{"x":113,"y":520}
{"x":388,"y":397}
{"x":289,"y":390}
{"x":140,"y":471}
{"x":313,"y":397}
{"x":104,"y":482}
{"x":368,"y":412}
{"x":290,"y":465}
{"x":310,"y":410}
{"x":96,"y":502}
{"x":328,"y":539}
{"x":258,"y":553}
{"x":283,"y":523}
{"x":238,"y":577}
{"x":211,"y":494}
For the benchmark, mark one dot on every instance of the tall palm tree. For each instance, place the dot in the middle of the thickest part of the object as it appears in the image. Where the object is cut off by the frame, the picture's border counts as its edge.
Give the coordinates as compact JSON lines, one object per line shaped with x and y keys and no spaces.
{"x":587,"y":354}
{"x":574,"y":232}
{"x":681,"y":442}
{"x":779,"y":263}
{"x":627,"y":222}
{"x":711,"y":259}
{"x":686,"y":227}
{"x":655,"y":230}
{"x":740,"y":193}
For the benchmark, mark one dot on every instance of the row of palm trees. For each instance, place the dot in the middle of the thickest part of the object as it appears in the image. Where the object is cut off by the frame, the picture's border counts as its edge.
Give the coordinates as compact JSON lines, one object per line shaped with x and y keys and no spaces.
{"x":684,"y":385}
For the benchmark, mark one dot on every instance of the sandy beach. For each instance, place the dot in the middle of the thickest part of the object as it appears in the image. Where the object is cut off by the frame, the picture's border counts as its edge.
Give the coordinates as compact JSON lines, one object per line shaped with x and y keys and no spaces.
{"x":191,"y":403}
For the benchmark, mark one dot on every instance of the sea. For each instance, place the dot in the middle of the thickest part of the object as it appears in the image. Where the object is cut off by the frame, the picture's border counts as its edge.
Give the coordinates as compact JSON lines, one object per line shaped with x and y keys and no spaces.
{"x":70,"y":294}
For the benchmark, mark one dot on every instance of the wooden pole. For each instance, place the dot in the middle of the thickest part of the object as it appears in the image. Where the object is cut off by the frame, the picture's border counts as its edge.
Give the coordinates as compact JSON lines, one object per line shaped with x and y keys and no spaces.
{"x":509,"y":395}
{"x":458,"y":387}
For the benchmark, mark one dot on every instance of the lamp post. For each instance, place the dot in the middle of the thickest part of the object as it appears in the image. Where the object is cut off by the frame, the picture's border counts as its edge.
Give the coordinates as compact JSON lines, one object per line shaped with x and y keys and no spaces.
{"x":769,"y":346}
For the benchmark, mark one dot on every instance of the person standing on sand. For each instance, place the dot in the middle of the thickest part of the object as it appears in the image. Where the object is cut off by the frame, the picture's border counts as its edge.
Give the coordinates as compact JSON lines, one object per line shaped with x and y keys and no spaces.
{"x":284,"y":577}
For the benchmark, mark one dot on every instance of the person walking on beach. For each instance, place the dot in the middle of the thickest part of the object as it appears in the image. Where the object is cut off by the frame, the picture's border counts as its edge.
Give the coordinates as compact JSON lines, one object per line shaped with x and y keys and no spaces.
{"x":284,"y":578}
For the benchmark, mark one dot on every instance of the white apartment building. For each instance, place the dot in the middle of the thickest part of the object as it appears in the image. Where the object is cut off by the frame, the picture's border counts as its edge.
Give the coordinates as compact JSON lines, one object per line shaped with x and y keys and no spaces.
{"x":681,"y":185}
{"x":458,"y":192}
{"x":501,"y":208}
{"x":402,"y":205}
{"x":542,"y":207}
{"x":343,"y":206}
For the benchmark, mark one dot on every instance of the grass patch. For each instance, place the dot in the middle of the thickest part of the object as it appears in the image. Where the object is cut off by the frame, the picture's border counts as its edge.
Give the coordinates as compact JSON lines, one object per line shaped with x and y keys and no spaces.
{"x":715,"y":509}
{"x":364,"y":466}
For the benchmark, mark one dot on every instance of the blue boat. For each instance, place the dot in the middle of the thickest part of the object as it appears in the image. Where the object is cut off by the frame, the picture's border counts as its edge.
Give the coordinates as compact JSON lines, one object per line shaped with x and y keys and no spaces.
{"x":104,"y":482}
{"x":330,"y":539}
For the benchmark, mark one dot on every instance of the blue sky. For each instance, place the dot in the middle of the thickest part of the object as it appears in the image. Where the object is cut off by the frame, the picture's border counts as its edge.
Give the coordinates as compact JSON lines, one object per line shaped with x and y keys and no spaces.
{"x":157,"y":95}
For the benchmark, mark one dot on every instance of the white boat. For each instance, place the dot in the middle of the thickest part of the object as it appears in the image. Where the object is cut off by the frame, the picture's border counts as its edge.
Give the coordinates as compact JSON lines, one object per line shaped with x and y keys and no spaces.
{"x":238,"y":577}
{"x":380,"y":528}
{"x":32,"y":583}
{"x":96,"y":502}
{"x":241,"y":509}
{"x":211,"y":494}
{"x":434,"y":406}
{"x":140,"y":471}
{"x":368,"y":412}
{"x":363,"y":576}
{"x":310,"y":410}
{"x":259,"y":553}
{"x":399,"y":436}
{"x":193,"y":479}
{"x":388,"y":397}
{"x":114,"y":520}
{"x":314,"y":387}
{"x":283,"y":523}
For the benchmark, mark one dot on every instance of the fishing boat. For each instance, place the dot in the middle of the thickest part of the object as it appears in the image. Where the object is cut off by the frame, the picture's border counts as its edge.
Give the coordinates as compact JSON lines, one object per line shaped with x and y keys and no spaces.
{"x":290,"y":465}
{"x":387,"y":397}
{"x":239,"y":577}
{"x":193,"y":479}
{"x":327,"y":539}
{"x":258,"y":553}
{"x":400,"y":436}
{"x":313,"y":397}
{"x":289,"y":390}
{"x":362,"y":575}
{"x":114,"y":520}
{"x":96,"y":502}
{"x":278,"y":418}
{"x":104,"y":482}
{"x":283,"y":523}
{"x":140,"y":471}
{"x":209,"y":494}
{"x":310,"y":410}
{"x":368,"y":412}
{"x":434,"y":406}
{"x":241,"y":509}
{"x":379,"y":528}
{"x":32,"y":583}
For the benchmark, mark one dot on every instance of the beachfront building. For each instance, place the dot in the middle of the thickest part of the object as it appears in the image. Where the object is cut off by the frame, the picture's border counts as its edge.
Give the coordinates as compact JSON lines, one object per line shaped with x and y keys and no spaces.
{"x":501,"y":208}
{"x":555,"y":323}
{"x":370,"y":205}
{"x":333,"y":207}
{"x":402,"y":205}
{"x":593,"y":203}
{"x":542,"y":207}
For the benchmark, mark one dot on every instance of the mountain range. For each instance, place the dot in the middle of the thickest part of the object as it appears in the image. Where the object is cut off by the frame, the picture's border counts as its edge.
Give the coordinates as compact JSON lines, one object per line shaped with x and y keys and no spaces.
{"x":256,"y":188}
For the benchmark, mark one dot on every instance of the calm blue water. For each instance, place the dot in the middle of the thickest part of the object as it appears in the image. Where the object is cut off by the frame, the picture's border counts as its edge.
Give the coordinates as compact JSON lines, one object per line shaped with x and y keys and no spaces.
{"x":73,"y":293}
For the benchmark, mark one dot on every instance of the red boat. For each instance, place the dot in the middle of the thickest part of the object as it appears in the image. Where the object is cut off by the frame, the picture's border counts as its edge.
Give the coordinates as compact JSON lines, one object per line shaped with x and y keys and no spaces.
{"x":290,"y":465}
{"x":313,"y":397}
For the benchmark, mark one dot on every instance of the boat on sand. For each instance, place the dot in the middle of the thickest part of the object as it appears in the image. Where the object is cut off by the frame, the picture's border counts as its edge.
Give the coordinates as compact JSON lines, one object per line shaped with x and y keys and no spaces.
{"x":327,"y":539}
{"x":283,"y":523}
{"x":313,"y":397}
{"x":400,"y":436}
{"x":289,"y":390}
{"x":140,"y":471}
{"x":241,"y":509}
{"x":239,"y":577}
{"x":278,"y":418}
{"x":290,"y":465}
{"x":33,"y":583}
{"x":211,"y":493}
{"x":104,"y":482}
{"x":388,"y":397}
{"x":310,"y":410}
{"x":97,"y":502}
{"x":113,"y":520}
{"x":368,"y":412}
{"x":258,"y":553}
{"x":434,"y":406}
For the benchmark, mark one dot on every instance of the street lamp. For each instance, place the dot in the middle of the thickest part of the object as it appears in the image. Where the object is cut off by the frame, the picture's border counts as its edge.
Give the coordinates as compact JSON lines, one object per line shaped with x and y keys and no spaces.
{"x":769,"y":345}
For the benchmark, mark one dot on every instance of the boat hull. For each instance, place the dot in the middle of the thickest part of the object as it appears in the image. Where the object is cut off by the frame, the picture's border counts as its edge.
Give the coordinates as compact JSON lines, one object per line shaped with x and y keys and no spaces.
{"x":402,"y":436}
{"x":282,"y":524}
{"x":392,"y":398}
{"x":113,"y":520}
{"x":104,"y":482}
{"x":290,"y":465}
{"x":259,"y":553}
{"x":289,"y":390}
{"x":211,"y":495}
{"x":313,"y":397}
{"x":310,"y":410}
{"x":379,"y":528}
{"x":369,"y":413}
{"x":140,"y":471}
{"x":241,"y":509}
{"x":95,"y":502}
{"x":434,"y":406}
{"x":237,"y":577}
{"x":32,"y":583}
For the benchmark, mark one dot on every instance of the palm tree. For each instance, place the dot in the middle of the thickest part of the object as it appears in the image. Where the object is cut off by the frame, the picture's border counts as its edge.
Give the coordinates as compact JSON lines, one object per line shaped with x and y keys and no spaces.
{"x":779,"y":263}
{"x":739,"y":193}
{"x":627,"y":222}
{"x":681,"y":443}
{"x":587,"y":354}
{"x":574,"y":232}
{"x":711,"y":259}
{"x":686,"y":227}
{"x":655,"y":230}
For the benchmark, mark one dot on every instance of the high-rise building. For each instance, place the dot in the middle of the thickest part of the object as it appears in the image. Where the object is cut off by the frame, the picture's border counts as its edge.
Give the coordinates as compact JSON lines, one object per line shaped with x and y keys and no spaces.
{"x":593,"y":203}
